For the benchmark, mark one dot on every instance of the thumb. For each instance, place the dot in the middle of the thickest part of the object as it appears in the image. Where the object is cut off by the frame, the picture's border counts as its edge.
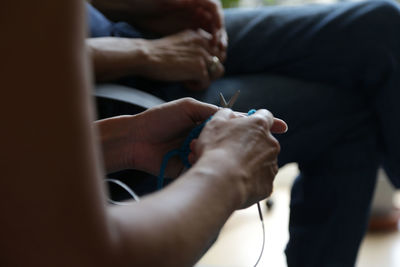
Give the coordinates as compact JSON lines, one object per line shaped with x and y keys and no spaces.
{"x":198,"y":111}
{"x":279,"y":126}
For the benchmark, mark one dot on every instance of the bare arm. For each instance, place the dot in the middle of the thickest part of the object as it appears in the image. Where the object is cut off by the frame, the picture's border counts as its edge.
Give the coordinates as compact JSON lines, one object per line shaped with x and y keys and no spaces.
{"x":52,"y":204}
{"x":182,"y":57}
{"x":114,"y":58}
{"x":51,"y":196}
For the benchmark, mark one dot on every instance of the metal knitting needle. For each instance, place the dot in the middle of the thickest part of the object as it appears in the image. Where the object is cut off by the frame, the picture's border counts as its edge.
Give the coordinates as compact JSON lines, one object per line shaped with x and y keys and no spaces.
{"x":222,"y":101}
{"x":233,"y":99}
{"x":230,"y":105}
{"x":231,"y":102}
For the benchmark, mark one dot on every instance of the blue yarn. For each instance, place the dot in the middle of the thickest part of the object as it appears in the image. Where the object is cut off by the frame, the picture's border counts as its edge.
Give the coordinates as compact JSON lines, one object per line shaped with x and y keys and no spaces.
{"x":251,"y":112}
{"x":184,"y":151}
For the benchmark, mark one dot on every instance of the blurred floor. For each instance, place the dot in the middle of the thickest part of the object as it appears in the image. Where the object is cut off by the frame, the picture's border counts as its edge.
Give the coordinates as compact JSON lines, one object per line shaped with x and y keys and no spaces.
{"x":239,"y":244}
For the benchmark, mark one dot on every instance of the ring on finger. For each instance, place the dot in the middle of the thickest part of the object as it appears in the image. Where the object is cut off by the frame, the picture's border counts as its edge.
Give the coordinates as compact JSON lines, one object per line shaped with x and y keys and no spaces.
{"x":213,"y":65}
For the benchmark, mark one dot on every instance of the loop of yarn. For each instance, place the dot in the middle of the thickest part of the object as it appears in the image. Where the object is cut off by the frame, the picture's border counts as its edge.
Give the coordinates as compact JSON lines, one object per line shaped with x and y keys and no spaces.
{"x":184,"y":151}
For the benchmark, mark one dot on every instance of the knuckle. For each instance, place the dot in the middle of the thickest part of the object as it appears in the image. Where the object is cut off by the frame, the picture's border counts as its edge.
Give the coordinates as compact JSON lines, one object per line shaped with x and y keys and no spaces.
{"x":202,"y":64}
{"x":202,"y":52}
{"x":275,"y":146}
{"x":268,"y":114}
{"x":215,"y":124}
{"x":261,"y":122}
{"x":202,"y":68}
{"x":215,"y":121}
{"x":188,"y":101}
{"x":190,"y":32}
{"x":190,"y":35}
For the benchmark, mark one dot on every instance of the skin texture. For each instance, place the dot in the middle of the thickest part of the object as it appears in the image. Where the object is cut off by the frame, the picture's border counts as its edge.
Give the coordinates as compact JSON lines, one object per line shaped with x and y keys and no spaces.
{"x":178,"y":22}
{"x":52,"y":193}
{"x":142,"y":143}
{"x":181,"y":57}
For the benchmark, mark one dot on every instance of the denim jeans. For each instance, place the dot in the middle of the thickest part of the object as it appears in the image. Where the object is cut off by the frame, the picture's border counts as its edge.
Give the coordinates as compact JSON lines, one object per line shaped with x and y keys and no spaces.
{"x":332,"y":72}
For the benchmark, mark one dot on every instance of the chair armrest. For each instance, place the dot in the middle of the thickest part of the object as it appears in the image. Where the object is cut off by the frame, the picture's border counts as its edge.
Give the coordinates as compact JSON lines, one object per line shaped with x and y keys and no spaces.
{"x":114,"y":100}
{"x":127,"y":94}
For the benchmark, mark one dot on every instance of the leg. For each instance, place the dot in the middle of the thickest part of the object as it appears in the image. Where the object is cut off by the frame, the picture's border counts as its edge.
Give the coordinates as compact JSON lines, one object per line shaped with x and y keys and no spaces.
{"x":336,"y":149}
{"x":352,"y":46}
{"x":330,"y":205}
{"x":301,"y":47}
{"x":335,"y":44}
{"x":356,"y":48}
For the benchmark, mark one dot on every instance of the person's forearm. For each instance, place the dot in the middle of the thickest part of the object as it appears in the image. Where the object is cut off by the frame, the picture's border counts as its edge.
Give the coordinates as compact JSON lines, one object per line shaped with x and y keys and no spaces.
{"x":113,"y":135}
{"x":114,"y":58}
{"x":175,"y":226}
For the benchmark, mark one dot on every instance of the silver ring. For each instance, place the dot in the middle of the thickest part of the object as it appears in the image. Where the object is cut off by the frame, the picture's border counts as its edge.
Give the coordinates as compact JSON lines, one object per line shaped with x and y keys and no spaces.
{"x":213,"y":65}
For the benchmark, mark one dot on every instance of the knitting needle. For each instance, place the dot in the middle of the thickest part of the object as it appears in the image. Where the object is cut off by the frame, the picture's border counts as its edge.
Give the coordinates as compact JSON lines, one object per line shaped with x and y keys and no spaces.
{"x":233,"y":99}
{"x":230,"y":105}
{"x":231,"y":102}
{"x":222,"y":101}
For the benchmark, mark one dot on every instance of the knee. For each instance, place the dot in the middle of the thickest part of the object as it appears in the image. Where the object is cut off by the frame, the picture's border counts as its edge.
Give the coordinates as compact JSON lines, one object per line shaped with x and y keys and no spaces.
{"x":383,"y":15}
{"x":376,"y":24}
{"x":385,"y":11}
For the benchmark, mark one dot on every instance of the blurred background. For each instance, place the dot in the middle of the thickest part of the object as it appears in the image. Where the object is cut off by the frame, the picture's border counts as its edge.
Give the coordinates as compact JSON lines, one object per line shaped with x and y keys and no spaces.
{"x":241,"y":238}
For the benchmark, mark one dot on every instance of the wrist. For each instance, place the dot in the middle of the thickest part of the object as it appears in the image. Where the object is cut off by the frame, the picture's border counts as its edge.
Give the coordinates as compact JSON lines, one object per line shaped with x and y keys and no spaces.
{"x":114,"y":138}
{"x":223,"y":175}
{"x":116,"y":57}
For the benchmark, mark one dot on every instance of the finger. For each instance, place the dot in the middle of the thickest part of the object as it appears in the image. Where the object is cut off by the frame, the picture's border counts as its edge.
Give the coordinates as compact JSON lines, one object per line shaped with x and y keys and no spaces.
{"x":174,"y":168}
{"x":223,"y":39}
{"x":279,"y":126}
{"x":193,"y":144}
{"x":204,"y":34}
{"x":215,"y":69}
{"x":222,"y":56}
{"x":205,"y":77}
{"x":192,"y":158}
{"x":263,"y":118}
{"x":225,"y":114}
{"x":205,"y":17}
{"x":215,"y":9}
{"x":197,"y":67}
{"x":219,"y":45}
{"x":201,"y":14}
{"x":240,"y":114}
{"x":205,"y":40}
{"x":206,"y":69}
{"x":197,"y":111}
{"x":222,"y":44}
{"x":216,"y":51}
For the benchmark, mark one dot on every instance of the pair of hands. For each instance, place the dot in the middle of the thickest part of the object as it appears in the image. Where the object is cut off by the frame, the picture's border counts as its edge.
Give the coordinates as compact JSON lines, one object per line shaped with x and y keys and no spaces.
{"x":192,"y":33}
{"x":242,"y":145}
{"x":185,"y":57}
